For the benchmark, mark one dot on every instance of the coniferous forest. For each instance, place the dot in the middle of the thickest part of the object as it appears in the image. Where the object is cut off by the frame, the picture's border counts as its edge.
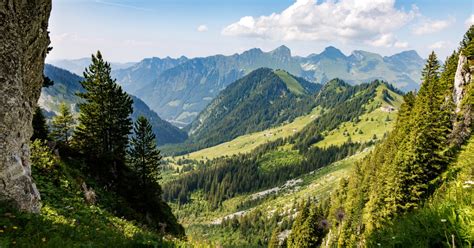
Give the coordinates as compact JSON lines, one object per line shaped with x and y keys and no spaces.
{"x":254,"y":149}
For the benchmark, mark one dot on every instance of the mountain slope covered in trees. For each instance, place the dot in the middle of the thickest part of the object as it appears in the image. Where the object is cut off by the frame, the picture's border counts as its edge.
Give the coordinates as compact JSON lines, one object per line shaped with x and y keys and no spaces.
{"x":64,"y":90}
{"x":415,"y":188}
{"x":262,"y":99}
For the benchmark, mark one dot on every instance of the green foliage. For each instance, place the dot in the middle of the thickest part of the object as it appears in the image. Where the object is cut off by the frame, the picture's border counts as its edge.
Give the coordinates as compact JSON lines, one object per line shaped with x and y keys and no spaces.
{"x":309,"y":227}
{"x":40,"y":128}
{"x":68,"y":84}
{"x":143,"y":155}
{"x":234,"y":110}
{"x":101,"y":140}
{"x":386,"y":191}
{"x":67,"y":219}
{"x":62,"y":125}
{"x":274,"y":240}
{"x":104,"y":121}
{"x":446,"y":219}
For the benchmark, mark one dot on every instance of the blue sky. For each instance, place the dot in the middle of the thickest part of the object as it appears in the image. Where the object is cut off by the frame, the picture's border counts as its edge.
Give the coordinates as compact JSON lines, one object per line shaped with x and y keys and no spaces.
{"x":130,"y":30}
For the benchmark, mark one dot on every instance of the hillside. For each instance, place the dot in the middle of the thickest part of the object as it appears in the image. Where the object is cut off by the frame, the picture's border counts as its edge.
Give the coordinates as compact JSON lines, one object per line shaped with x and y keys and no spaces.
{"x":280,"y":97}
{"x":76,"y":211}
{"x":179,"y":93}
{"x":65,"y":87}
{"x":414,"y":189}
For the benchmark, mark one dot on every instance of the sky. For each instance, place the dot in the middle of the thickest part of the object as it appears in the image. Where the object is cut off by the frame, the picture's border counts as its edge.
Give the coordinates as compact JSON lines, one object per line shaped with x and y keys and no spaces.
{"x":130,"y":30}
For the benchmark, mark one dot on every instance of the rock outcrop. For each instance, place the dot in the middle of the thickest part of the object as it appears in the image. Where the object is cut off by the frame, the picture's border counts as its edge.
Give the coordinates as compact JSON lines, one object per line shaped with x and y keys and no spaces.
{"x":23,"y":46}
{"x":462,"y":90}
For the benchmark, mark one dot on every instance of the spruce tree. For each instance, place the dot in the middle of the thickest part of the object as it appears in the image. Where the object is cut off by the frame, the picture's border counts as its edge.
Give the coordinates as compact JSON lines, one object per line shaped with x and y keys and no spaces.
{"x":62,"y":125}
{"x":104,"y":120}
{"x":144,"y":157}
{"x":40,"y":129}
{"x":424,"y":155}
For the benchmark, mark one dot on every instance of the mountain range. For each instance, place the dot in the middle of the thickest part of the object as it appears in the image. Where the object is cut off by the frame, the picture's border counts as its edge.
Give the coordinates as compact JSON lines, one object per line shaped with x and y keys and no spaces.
{"x":178,"y":89}
{"x":66,"y":85}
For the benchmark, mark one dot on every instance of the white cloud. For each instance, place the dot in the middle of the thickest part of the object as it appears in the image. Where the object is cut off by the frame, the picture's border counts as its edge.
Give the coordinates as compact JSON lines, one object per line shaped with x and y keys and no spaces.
{"x":438,"y":45}
{"x":387,"y":40}
{"x":469,"y":21}
{"x":400,"y":44}
{"x":432,"y":26}
{"x":202,"y":28}
{"x":363,"y":20}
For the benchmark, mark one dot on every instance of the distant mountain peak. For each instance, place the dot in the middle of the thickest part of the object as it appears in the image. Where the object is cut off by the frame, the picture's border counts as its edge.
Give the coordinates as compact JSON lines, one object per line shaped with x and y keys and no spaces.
{"x":282,"y":51}
{"x":410,"y":54}
{"x":253,"y":51}
{"x":332,"y":52}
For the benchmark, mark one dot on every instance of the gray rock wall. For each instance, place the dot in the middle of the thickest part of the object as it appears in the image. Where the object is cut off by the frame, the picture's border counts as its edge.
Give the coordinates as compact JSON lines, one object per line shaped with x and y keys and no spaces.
{"x":23,"y":44}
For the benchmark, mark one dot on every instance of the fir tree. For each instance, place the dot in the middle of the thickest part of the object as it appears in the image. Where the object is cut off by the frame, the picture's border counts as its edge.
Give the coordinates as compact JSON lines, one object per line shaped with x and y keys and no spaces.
{"x":63,"y":124}
{"x":427,"y":148}
{"x":40,"y":129}
{"x":104,"y":121}
{"x":144,"y":157}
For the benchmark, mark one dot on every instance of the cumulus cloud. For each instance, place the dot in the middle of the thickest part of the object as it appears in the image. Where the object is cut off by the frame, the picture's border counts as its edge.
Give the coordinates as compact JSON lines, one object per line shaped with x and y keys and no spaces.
{"x":363,"y":20}
{"x":202,"y":28}
{"x":438,"y":45}
{"x":469,"y":21}
{"x":432,"y":26}
{"x":387,"y":40}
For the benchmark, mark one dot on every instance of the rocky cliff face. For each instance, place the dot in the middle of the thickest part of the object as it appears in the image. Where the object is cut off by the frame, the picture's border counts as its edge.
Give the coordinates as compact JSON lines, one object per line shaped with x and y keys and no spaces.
{"x":461,"y":94}
{"x":23,"y":45}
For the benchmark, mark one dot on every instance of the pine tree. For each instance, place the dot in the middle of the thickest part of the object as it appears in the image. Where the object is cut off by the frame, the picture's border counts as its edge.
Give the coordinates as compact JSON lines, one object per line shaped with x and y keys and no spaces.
{"x":104,"y":121}
{"x":63,"y":124}
{"x":40,"y":129}
{"x":144,"y":157}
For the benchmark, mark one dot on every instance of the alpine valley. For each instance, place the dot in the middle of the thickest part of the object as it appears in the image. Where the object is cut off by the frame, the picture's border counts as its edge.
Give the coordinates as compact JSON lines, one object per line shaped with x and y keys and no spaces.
{"x":254,"y":149}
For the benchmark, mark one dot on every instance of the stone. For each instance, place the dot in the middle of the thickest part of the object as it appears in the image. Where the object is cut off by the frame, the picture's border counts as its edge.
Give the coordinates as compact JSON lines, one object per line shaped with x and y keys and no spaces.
{"x":23,"y":46}
{"x":464,"y":112}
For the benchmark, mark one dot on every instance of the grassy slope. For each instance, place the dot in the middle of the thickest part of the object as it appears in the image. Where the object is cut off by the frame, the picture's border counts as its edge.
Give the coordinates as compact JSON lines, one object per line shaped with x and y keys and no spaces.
{"x":445,"y":218}
{"x":66,"y":220}
{"x":290,"y":82}
{"x":248,"y":142}
{"x":374,"y":122}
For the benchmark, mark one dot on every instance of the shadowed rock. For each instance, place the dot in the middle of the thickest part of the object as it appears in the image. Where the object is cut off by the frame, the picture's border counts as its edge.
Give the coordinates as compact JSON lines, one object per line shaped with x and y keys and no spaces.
{"x":23,"y":46}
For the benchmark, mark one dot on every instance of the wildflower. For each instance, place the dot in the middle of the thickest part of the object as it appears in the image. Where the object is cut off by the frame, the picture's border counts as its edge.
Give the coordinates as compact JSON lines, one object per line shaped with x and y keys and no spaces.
{"x":15,"y":227}
{"x":469,"y":182}
{"x":393,"y":237}
{"x":43,"y":239}
{"x":1,"y":231}
{"x":378,"y":244}
{"x":443,"y":220}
